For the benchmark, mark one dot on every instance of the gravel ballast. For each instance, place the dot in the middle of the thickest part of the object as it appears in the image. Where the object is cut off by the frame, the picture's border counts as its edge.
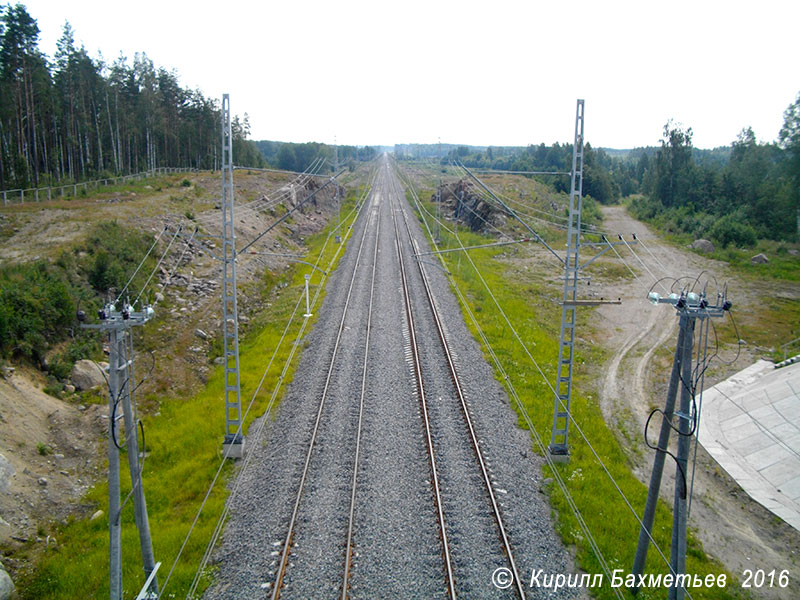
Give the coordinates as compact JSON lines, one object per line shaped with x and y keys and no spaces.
{"x":397,"y":547}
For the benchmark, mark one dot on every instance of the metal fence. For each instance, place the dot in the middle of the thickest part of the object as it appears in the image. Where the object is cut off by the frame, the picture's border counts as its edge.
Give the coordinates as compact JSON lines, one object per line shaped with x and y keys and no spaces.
{"x":785,"y":347}
{"x":21,"y":196}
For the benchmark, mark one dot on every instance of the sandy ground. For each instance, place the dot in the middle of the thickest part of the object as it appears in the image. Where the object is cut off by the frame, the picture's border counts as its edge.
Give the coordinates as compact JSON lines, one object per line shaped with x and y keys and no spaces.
{"x":641,"y":338}
{"x":52,"y":447}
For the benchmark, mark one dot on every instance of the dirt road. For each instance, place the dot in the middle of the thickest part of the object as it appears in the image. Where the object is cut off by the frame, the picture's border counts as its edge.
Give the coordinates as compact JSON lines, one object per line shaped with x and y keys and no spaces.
{"x":641,"y":338}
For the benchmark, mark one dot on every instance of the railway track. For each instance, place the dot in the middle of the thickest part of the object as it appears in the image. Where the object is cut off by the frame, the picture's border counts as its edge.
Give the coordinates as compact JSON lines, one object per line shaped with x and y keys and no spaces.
{"x":465,"y":410}
{"x":387,"y":196}
{"x":287,"y":545}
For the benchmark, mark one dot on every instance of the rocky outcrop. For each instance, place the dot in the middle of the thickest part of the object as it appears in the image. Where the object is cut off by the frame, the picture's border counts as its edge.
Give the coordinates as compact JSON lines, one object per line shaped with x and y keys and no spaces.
{"x":759,"y":259}
{"x":460,"y":202}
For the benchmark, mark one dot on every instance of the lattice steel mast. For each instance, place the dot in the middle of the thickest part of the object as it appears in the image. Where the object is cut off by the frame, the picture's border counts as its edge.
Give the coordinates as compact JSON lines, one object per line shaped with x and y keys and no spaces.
{"x":233,"y":444}
{"x":566,"y":339}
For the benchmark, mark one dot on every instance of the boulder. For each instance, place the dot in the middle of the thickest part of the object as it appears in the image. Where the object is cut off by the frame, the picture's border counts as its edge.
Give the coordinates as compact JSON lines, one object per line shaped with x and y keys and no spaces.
{"x":87,"y":374}
{"x":702,"y":245}
{"x":759,"y":259}
{"x":6,"y":585}
{"x":6,"y":372}
{"x":794,"y":252}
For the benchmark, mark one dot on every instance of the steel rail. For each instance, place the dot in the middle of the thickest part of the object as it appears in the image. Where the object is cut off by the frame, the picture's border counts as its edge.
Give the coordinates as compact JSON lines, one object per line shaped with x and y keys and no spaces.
{"x":467,"y":417}
{"x":351,"y":521}
{"x":437,"y":494}
{"x":287,"y":545}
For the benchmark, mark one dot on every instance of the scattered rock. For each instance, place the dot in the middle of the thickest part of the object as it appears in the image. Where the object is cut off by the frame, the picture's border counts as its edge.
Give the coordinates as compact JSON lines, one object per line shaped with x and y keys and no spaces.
{"x":793,"y":252}
{"x":87,"y":374}
{"x":201,"y":334}
{"x":5,"y":533}
{"x":96,"y":515}
{"x":220,"y":360}
{"x":159,"y":296}
{"x":42,"y":481}
{"x":759,"y":259}
{"x":6,"y":472}
{"x":69,"y":388}
{"x":702,"y":245}
{"x":6,"y":372}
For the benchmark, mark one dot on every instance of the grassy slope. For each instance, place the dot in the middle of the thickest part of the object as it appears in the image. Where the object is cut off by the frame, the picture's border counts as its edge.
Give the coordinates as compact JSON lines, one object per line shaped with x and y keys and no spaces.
{"x":528,"y":304}
{"x":184,"y":446}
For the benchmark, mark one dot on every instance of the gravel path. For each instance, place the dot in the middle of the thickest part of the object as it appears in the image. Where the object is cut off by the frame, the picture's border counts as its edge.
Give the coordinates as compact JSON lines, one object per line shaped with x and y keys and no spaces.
{"x":396,"y":540}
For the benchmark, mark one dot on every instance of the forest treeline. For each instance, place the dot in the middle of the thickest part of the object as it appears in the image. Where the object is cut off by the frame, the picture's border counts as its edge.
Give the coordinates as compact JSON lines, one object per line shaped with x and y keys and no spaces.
{"x":298,"y":157}
{"x":72,"y":117}
{"x":734,"y":194}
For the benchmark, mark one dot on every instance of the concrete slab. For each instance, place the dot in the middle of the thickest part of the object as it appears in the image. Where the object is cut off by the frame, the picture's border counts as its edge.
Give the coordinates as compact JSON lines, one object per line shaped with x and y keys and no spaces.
{"x":792,"y":488}
{"x":754,"y":443}
{"x":785,"y":431}
{"x":767,"y":457}
{"x":734,"y":435}
{"x":782,"y":472}
{"x":751,"y":426}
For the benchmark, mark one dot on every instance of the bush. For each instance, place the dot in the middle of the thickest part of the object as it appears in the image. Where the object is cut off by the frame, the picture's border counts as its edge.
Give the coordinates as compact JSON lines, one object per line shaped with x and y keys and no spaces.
{"x":35,"y":309}
{"x":59,"y":367}
{"x":645,"y":209}
{"x":186,"y":183}
{"x":731,"y":230}
{"x":104,"y":273}
{"x":83,"y":346}
{"x":114,"y":253}
{"x":590,"y":212}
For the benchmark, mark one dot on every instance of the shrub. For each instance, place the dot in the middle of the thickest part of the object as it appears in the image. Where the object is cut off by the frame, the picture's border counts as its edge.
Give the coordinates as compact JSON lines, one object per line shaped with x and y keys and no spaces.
{"x":731,"y":230}
{"x":35,"y":309}
{"x":114,"y":253}
{"x":186,"y":183}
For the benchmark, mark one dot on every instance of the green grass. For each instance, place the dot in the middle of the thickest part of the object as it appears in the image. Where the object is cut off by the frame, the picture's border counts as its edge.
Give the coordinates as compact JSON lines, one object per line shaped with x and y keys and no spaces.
{"x":528,"y":304}
{"x":781,"y":265}
{"x":184,"y":445}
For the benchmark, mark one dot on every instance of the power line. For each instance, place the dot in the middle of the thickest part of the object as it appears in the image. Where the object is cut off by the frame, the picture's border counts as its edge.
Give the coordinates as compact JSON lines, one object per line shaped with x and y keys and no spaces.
{"x":597,"y":457}
{"x":246,"y":462}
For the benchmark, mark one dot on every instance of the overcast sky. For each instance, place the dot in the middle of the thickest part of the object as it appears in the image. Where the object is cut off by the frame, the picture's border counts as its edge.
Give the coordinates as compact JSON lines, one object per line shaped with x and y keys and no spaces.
{"x":489,"y":72}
